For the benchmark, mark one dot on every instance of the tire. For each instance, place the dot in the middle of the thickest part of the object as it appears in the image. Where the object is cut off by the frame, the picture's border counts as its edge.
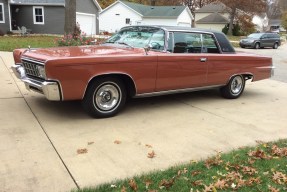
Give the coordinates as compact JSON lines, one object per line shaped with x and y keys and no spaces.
{"x":275,"y":46}
{"x":234,"y":88}
{"x":257,"y":46}
{"x":105,"y":97}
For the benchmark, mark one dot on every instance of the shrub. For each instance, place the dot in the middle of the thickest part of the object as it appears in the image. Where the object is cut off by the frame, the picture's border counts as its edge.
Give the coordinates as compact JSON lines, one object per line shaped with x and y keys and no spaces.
{"x":69,"y":40}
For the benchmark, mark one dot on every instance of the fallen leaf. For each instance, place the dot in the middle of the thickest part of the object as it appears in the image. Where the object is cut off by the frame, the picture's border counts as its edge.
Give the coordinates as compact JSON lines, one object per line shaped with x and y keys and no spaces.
{"x":151,"y":155}
{"x":197,"y":183}
{"x":220,"y":184}
{"x":277,"y":151}
{"x":82,"y":151}
{"x":249,"y":170}
{"x":117,"y":142}
{"x":279,"y":177}
{"x":258,"y":154}
{"x":124,"y":189}
{"x":148,"y":183}
{"x":153,"y":190}
{"x":194,"y":173}
{"x":133,"y":185}
{"x":148,"y":146}
{"x":273,"y":189}
{"x":167,"y":183}
{"x":91,"y":143}
{"x":251,"y":181}
{"x":208,"y":188}
{"x":213,"y":161}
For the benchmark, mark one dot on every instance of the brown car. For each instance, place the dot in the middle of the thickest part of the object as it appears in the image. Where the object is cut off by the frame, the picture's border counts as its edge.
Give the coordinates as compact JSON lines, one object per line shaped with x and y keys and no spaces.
{"x":139,"y":61}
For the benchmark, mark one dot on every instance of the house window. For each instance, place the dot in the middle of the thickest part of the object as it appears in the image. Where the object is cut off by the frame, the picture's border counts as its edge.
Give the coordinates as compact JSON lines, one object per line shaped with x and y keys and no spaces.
{"x":2,"y":18}
{"x":128,"y":21}
{"x":38,"y":15}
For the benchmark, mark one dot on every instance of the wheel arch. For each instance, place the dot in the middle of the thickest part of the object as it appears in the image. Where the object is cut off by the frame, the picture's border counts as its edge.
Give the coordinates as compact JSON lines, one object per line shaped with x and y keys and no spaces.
{"x":127,"y":80}
{"x":246,"y":76}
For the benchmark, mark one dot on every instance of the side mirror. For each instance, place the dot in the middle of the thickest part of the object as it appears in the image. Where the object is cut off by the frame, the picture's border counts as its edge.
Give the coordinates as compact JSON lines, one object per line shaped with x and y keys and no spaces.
{"x":147,"y":48}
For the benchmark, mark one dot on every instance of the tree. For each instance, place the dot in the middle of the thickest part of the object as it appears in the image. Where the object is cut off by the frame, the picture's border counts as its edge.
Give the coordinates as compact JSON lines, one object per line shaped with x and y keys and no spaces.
{"x":238,"y":7}
{"x":284,"y":20}
{"x":70,"y":16}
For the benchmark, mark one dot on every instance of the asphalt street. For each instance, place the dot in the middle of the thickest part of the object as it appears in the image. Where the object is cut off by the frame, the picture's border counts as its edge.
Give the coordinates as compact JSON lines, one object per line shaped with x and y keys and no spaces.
{"x":56,"y":146}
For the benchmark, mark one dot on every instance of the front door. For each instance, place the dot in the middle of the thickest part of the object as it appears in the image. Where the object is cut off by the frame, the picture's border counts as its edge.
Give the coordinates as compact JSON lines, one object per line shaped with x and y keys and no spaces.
{"x":185,"y":66}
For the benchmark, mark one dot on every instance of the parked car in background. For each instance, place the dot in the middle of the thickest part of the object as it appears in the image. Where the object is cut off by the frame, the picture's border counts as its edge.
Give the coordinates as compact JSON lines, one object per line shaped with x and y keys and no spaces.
{"x":139,"y":61}
{"x":261,"y":40}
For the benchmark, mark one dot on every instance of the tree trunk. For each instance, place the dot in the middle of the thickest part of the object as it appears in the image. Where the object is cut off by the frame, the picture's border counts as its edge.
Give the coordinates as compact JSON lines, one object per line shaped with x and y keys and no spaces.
{"x":232,"y":17}
{"x":70,"y":16}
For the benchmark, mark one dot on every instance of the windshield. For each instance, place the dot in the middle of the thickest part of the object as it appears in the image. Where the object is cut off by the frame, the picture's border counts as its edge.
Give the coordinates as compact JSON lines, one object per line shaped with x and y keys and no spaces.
{"x":140,"y":37}
{"x":255,"y":35}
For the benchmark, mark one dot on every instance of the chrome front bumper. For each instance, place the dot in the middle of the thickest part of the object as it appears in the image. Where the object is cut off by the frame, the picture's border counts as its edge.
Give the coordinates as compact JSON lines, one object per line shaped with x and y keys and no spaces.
{"x":50,"y":89}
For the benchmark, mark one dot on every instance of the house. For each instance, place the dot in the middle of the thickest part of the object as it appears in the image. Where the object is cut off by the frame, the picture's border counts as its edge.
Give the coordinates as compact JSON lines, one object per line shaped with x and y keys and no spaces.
{"x":123,"y":13}
{"x":212,"y":16}
{"x":47,"y":16}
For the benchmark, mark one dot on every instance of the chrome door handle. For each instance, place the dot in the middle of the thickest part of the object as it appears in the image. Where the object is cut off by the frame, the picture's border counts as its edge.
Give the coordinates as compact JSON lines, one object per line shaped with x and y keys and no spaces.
{"x":203,"y":59}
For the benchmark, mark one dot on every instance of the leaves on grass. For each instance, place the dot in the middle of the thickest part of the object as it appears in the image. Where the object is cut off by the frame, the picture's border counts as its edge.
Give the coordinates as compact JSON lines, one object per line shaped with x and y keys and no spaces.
{"x":277,"y":151}
{"x":123,"y":189}
{"x":82,"y":151}
{"x":249,"y":170}
{"x":117,"y":142}
{"x":197,"y":183}
{"x":133,"y":185}
{"x":151,"y":155}
{"x":148,"y":183}
{"x":213,"y":161}
{"x":166,"y":183}
{"x":258,"y":154}
{"x":273,"y":189}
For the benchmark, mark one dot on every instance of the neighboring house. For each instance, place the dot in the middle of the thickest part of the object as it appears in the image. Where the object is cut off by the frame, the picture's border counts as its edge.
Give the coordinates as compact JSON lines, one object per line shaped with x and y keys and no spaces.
{"x":123,"y":13}
{"x":274,"y":25}
{"x":261,"y":22}
{"x":47,"y":16}
{"x":212,"y":16}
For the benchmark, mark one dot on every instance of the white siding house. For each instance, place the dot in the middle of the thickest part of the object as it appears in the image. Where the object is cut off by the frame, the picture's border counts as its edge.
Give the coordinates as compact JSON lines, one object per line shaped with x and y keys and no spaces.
{"x":123,"y":13}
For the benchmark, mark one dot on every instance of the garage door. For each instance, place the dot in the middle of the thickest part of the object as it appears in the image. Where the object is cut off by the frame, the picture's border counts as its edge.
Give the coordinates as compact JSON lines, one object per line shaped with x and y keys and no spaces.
{"x":87,"y":23}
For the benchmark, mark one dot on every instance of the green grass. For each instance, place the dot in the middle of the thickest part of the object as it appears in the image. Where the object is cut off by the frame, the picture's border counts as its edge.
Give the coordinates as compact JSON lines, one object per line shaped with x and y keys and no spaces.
{"x":260,"y":168}
{"x":9,"y":43}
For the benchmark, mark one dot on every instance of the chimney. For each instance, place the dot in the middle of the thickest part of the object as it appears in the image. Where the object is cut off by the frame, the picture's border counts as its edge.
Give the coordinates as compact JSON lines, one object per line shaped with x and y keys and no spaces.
{"x":152,"y":2}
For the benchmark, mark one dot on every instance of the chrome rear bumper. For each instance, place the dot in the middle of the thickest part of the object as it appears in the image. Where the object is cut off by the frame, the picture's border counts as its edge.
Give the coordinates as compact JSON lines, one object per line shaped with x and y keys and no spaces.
{"x":51,"y":89}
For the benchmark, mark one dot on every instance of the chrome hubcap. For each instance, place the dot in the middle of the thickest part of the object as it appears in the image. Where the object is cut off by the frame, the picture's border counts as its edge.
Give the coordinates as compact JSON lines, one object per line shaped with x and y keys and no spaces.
{"x":236,"y":85}
{"x":107,"y":97}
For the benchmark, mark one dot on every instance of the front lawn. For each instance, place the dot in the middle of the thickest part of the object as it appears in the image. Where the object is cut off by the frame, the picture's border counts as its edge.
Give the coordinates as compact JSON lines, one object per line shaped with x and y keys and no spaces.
{"x":262,"y":168}
{"x":9,"y":43}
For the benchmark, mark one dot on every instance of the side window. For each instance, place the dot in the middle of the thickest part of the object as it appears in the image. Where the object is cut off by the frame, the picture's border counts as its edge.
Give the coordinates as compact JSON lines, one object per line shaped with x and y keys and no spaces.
{"x":209,"y":44}
{"x":187,"y":42}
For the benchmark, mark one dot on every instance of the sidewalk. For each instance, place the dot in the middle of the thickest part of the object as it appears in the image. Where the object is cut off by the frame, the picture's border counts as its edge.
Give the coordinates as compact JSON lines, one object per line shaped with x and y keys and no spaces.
{"x":179,"y":128}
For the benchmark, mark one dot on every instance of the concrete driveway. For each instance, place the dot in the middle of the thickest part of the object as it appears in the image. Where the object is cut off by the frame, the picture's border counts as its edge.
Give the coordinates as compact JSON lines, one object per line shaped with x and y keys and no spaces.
{"x":39,"y":140}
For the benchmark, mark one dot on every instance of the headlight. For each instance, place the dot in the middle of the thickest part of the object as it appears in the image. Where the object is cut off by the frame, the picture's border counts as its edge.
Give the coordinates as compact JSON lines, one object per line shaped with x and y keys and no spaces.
{"x":41,"y":70}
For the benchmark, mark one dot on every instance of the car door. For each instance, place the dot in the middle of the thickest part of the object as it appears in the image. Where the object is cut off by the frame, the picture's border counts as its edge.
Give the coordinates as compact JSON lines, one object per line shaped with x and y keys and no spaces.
{"x":184,"y":66}
{"x":264,"y":40}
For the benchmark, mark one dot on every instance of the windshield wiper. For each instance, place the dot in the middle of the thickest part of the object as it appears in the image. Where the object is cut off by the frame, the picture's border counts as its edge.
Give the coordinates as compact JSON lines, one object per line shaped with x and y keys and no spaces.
{"x":123,"y":43}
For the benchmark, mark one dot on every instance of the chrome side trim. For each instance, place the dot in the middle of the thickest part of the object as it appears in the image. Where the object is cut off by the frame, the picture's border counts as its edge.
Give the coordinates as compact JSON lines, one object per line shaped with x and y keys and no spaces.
{"x":176,"y":91}
{"x":112,"y":73}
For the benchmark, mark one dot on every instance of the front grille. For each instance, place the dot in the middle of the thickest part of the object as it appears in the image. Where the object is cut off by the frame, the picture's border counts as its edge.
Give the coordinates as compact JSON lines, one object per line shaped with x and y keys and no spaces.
{"x":30,"y":67}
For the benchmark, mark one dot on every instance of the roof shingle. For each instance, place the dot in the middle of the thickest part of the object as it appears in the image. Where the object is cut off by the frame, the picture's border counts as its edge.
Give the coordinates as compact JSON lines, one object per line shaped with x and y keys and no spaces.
{"x":214,"y":18}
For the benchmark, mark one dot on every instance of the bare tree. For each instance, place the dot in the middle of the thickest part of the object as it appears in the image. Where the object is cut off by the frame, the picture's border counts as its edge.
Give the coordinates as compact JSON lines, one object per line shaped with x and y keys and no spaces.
{"x":70,"y":16}
{"x":249,"y":7}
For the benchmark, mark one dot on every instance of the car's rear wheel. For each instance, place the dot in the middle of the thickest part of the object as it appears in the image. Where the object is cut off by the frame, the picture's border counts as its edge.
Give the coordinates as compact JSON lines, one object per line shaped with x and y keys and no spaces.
{"x":105,"y":97}
{"x":257,"y":46}
{"x":275,"y":46}
{"x":234,"y":88}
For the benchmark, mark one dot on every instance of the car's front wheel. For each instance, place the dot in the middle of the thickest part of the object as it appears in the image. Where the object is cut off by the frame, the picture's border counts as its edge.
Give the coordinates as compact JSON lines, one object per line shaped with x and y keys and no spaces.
{"x":257,"y":46}
{"x":105,"y":97}
{"x":275,"y":46}
{"x":234,"y":88}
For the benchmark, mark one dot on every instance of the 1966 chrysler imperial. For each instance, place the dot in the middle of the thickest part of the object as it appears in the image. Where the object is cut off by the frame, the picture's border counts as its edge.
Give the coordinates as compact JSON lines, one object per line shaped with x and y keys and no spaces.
{"x":139,"y":61}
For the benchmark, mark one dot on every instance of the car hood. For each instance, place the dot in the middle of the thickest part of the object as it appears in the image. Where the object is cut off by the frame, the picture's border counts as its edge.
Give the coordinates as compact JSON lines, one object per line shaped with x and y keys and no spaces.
{"x":81,"y":51}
